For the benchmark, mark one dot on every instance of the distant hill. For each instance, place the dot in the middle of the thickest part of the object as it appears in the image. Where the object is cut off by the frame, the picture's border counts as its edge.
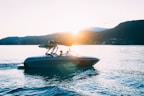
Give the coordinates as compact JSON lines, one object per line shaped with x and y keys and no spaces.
{"x":126,"y":33}
{"x":97,"y":29}
{"x":62,"y":38}
{"x":131,"y":32}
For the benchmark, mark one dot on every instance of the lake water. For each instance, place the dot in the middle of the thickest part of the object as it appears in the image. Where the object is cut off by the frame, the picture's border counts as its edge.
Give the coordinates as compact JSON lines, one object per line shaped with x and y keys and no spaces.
{"x":120,"y":72}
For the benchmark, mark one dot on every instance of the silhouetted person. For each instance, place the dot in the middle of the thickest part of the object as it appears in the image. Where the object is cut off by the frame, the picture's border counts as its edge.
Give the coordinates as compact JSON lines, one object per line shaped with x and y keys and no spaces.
{"x":61,"y":52}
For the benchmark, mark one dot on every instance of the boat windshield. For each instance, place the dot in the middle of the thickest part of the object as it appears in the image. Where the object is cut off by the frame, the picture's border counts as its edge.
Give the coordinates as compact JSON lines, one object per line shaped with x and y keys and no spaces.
{"x":57,"y":51}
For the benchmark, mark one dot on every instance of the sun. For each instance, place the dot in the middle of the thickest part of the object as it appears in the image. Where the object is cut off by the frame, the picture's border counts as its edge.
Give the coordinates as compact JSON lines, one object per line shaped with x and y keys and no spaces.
{"x":75,"y":33}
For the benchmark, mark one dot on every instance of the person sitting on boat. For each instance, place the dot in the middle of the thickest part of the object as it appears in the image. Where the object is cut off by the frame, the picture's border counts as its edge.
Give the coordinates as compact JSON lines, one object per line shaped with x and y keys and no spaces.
{"x":61,"y":53}
{"x":67,"y":53}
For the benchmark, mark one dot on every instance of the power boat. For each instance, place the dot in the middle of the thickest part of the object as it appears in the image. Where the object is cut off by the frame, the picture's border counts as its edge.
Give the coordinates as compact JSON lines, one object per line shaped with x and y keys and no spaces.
{"x":63,"y":61}
{"x":50,"y":61}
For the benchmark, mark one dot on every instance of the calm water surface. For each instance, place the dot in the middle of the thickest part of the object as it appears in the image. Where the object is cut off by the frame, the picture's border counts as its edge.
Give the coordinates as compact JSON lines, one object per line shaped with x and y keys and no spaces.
{"x":120,"y":72}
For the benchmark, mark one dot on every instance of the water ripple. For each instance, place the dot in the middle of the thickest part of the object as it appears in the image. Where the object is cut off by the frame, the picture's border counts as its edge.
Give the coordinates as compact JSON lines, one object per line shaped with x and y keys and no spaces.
{"x":43,"y":91}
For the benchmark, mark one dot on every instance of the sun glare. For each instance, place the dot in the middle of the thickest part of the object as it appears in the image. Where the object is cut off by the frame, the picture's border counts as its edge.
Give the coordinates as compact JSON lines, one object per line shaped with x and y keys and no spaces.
{"x":75,"y":33}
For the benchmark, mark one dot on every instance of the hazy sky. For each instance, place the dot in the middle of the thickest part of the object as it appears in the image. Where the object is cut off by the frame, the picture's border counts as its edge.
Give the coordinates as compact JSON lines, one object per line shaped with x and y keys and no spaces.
{"x":41,"y":17}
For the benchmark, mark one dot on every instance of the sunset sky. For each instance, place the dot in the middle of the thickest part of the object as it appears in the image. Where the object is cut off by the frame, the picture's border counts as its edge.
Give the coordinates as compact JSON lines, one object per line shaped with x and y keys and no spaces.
{"x":41,"y":17}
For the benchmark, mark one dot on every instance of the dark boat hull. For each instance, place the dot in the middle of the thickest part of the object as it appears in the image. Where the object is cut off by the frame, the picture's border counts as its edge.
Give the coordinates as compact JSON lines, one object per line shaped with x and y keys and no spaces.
{"x":61,"y":62}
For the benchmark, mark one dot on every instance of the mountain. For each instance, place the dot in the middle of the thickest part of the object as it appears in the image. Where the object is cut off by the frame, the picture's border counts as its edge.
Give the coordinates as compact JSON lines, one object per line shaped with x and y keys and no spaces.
{"x":62,"y":38}
{"x":130,"y":32}
{"x":97,"y":29}
{"x":126,"y":33}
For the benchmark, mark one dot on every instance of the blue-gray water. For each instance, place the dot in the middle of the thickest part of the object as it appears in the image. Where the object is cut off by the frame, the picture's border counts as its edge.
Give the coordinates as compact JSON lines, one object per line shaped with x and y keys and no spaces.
{"x":120,"y":72}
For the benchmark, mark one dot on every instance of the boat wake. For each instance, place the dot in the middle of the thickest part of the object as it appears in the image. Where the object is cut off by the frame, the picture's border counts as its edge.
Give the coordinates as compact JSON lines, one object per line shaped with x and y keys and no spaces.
{"x":5,"y":66}
{"x":56,"y":84}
